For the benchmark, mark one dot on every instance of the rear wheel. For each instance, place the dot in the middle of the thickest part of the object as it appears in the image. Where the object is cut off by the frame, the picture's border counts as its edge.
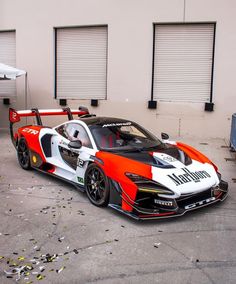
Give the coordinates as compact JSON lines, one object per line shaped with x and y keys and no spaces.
{"x":97,"y":185}
{"x":23,"y":154}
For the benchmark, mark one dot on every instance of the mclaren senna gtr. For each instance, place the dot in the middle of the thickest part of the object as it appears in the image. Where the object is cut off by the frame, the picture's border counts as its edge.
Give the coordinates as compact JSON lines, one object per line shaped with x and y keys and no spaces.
{"x":118,"y":163}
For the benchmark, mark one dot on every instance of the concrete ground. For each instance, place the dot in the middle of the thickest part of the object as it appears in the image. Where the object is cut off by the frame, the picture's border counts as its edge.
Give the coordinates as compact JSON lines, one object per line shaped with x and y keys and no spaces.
{"x":49,"y":227}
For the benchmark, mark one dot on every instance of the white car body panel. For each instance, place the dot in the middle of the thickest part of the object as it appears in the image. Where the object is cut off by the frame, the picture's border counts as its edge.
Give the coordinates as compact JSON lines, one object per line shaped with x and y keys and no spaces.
{"x":188,"y":185}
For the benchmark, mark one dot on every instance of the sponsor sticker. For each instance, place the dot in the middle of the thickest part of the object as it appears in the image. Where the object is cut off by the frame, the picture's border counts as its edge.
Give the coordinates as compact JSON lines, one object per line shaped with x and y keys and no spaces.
{"x":63,"y":143}
{"x":169,"y":159}
{"x":189,"y":176}
{"x":117,"y":124}
{"x":80,"y":180}
{"x":164,"y":202}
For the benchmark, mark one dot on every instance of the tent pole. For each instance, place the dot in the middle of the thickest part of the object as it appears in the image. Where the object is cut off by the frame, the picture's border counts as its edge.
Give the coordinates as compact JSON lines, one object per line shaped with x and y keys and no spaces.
{"x":26,"y":94}
{"x":26,"y":99}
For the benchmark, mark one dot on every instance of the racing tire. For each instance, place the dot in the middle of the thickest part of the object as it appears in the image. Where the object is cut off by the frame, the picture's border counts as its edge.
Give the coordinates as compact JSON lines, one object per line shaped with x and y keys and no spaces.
{"x":23,"y":154}
{"x":97,"y":186}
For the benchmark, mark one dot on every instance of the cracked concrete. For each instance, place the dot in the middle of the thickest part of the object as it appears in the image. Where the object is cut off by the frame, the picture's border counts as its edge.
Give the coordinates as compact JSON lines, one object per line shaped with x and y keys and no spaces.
{"x":42,"y":215}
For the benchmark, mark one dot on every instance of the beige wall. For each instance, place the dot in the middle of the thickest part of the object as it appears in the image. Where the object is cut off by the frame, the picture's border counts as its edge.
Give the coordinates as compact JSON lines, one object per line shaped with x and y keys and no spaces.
{"x":130,"y":41}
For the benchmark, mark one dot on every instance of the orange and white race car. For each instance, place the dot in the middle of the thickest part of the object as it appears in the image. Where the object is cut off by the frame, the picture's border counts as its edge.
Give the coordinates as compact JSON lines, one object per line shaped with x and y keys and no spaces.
{"x":118,"y":163}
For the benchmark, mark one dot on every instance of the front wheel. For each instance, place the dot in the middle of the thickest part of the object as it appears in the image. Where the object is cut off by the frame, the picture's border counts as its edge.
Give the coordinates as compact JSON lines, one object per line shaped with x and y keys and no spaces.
{"x":97,"y":185}
{"x":23,"y":154}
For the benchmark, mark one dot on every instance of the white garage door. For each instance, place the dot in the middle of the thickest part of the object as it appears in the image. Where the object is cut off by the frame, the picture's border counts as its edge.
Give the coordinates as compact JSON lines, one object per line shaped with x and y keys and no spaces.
{"x":81,"y":63}
{"x":8,"y":56}
{"x":183,"y":58}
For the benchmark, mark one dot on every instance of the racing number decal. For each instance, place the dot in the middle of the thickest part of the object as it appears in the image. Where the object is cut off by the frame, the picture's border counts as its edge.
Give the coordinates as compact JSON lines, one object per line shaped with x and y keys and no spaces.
{"x":80,"y":163}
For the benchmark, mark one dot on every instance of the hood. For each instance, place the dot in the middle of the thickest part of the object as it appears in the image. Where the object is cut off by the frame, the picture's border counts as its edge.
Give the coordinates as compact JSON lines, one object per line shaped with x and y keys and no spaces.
{"x":169,"y":166}
{"x":163,"y":157}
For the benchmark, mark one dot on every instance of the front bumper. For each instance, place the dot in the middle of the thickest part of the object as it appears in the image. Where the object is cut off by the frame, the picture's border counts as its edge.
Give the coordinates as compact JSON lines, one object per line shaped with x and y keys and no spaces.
{"x":151,"y":209}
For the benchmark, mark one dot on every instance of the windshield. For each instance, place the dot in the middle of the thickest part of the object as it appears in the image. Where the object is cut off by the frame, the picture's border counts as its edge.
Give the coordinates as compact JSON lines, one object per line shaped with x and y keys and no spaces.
{"x":124,"y":136}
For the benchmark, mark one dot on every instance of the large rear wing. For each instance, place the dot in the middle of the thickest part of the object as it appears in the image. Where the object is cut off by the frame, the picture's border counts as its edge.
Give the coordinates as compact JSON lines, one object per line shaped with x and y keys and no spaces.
{"x":15,"y":116}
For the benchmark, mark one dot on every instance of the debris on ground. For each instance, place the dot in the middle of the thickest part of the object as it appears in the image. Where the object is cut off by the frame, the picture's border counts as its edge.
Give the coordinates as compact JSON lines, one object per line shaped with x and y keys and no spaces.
{"x":60,"y":239}
{"x":80,"y":212}
{"x":60,"y":270}
{"x":20,"y":268}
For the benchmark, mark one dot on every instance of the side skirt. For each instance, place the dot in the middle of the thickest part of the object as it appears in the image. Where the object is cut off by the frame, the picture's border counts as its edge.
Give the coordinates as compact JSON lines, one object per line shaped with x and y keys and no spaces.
{"x":79,"y":187}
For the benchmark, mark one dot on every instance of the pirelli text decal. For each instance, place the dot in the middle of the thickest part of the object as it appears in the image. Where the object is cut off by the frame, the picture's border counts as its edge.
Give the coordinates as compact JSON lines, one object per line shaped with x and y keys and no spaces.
{"x":189,"y":176}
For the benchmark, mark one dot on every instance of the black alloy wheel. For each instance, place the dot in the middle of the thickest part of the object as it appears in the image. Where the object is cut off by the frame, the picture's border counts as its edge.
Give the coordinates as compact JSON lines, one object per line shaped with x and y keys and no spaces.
{"x":97,"y":185}
{"x":23,"y":154}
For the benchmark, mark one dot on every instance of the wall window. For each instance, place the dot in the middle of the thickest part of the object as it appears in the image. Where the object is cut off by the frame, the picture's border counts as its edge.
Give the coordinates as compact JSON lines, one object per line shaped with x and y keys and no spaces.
{"x":8,"y":56}
{"x":81,"y":62}
{"x":183,"y":62}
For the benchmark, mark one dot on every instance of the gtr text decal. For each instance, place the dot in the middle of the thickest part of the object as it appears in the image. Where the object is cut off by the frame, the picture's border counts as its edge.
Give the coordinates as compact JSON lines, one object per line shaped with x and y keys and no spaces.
{"x":188,"y":176}
{"x":30,"y":131}
{"x":200,"y":203}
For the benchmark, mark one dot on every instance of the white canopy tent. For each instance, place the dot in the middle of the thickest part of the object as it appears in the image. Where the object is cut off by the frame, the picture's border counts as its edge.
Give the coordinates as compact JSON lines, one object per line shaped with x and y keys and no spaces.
{"x":8,"y":72}
{"x":11,"y":73}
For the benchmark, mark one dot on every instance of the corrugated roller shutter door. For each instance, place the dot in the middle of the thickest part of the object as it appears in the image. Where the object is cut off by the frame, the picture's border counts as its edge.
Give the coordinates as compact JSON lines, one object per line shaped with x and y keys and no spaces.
{"x":183,"y":62}
{"x":82,"y":63}
{"x":8,"y":56}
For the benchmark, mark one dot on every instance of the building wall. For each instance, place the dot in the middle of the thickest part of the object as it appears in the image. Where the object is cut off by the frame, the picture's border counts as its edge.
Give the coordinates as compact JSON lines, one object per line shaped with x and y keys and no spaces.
{"x":130,"y":44}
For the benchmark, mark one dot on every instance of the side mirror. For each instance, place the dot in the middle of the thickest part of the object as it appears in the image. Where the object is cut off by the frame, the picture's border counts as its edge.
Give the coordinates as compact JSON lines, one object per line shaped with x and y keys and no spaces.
{"x":164,"y":136}
{"x":77,"y":144}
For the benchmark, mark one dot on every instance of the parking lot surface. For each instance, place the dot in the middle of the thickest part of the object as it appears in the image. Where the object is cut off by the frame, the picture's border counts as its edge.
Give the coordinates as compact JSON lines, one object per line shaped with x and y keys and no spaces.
{"x":51,"y":233}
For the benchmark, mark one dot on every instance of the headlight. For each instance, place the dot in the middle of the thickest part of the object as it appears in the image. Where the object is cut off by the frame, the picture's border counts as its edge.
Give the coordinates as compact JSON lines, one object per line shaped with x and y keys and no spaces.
{"x":148,"y":185}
